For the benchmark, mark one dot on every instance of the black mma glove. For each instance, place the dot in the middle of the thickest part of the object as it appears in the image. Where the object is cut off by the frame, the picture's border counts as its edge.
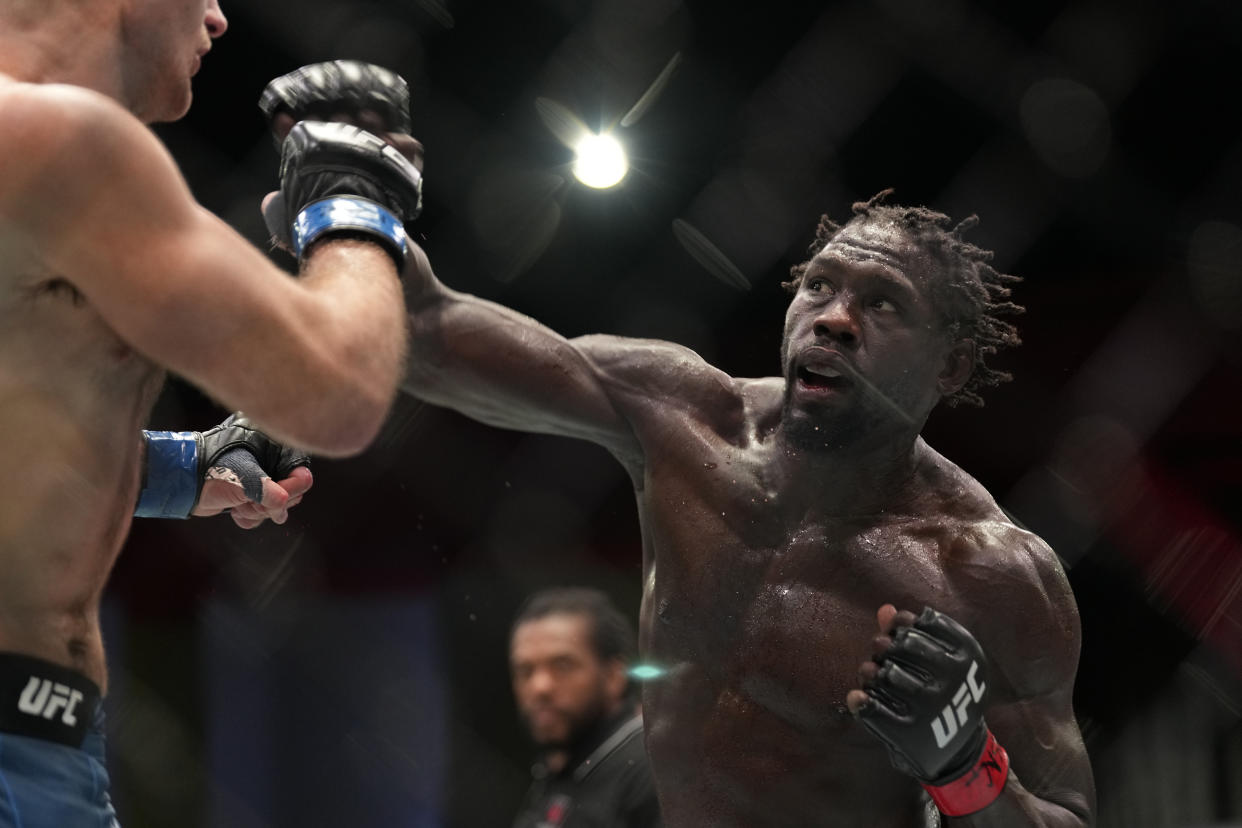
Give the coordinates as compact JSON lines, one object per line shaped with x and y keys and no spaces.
{"x":177,"y":463}
{"x":241,"y":448}
{"x":323,"y":91}
{"x":926,"y":704}
{"x":335,"y":177}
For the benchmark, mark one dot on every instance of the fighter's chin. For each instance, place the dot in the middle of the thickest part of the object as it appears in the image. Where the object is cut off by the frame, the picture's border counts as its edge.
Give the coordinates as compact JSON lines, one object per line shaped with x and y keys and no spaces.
{"x":173,"y":105}
{"x":816,"y":425}
{"x":164,"y":113}
{"x":178,"y":110}
{"x":814,"y":434}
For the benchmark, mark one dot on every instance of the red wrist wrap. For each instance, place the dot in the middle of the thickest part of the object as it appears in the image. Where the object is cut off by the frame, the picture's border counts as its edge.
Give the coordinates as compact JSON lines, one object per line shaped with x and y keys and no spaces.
{"x":978,"y":787}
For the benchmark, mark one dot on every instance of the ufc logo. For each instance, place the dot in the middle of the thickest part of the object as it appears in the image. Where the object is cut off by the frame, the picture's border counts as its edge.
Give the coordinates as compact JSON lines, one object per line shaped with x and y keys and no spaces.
{"x":954,"y":714}
{"x":43,"y":697}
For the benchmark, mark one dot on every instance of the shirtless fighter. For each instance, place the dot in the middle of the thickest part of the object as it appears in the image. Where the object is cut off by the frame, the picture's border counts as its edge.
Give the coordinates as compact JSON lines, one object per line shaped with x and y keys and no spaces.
{"x":110,"y":275}
{"x":793,"y":527}
{"x":781,"y":517}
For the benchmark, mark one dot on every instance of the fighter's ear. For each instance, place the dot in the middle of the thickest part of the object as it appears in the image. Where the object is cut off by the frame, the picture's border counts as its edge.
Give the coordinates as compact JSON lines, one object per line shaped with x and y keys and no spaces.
{"x":959,"y":364}
{"x":616,"y":677}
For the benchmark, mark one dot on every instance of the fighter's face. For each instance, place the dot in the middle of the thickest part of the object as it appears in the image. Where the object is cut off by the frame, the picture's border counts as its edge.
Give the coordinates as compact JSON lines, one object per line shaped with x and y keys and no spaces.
{"x":864,"y":351}
{"x":165,"y":41}
{"x":561,"y":686}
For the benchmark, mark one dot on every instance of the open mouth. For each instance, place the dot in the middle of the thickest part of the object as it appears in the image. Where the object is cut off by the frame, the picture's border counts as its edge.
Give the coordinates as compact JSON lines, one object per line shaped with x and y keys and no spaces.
{"x":822,"y":378}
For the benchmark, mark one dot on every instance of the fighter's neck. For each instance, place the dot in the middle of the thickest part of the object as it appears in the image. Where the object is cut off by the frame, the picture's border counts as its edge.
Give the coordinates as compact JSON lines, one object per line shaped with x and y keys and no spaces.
{"x":62,"y":49}
{"x":854,"y":481}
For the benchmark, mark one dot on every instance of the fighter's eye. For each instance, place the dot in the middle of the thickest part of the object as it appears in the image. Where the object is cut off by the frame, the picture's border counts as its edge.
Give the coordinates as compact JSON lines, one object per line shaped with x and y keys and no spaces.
{"x":884,"y":305}
{"x":818,"y":285}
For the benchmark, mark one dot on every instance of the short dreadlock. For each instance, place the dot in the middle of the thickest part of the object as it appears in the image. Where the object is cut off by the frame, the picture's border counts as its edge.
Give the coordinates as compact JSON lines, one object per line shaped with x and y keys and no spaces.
{"x":971,"y":298}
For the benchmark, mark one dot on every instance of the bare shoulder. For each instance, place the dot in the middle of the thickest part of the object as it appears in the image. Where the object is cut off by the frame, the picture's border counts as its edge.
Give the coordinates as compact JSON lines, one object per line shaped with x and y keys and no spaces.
{"x":41,"y":118}
{"x":1012,"y":561}
{"x":59,"y":140}
{"x":1021,"y":609}
{"x":640,"y":371}
{"x":1010,"y":589}
{"x":980,"y":535}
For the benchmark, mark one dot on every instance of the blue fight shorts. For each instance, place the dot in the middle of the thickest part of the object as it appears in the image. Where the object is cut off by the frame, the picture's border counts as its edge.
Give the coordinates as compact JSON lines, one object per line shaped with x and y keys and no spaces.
{"x":52,"y":771}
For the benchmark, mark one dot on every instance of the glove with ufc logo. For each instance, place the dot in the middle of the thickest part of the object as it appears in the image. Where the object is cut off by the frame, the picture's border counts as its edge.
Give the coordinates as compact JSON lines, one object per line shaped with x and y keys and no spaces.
{"x":925,"y":702}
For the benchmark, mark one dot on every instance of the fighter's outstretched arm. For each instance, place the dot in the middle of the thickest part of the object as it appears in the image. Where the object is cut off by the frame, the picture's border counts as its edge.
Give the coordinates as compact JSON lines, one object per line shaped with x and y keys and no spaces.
{"x":505,"y":369}
{"x":99,"y":201}
{"x":482,"y":359}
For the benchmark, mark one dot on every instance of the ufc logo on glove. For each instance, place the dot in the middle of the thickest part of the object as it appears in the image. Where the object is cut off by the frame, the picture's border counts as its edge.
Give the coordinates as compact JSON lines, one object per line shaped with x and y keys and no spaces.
{"x":962,"y":767}
{"x":971,"y":690}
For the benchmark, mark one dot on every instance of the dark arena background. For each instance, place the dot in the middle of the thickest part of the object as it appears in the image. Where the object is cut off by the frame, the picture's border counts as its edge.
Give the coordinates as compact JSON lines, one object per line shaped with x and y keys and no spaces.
{"x":349,"y":667}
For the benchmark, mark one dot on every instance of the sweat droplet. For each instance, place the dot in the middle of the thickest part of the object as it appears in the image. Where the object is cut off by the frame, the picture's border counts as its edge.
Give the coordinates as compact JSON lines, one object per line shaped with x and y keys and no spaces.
{"x":709,"y":465}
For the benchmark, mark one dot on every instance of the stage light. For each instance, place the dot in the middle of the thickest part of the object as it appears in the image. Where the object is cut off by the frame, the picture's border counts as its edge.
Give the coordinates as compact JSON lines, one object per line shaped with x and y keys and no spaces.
{"x":600,"y":162}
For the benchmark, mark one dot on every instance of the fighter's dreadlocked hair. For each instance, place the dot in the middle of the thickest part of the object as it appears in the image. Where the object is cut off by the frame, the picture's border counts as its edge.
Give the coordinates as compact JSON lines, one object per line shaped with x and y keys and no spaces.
{"x":971,"y":297}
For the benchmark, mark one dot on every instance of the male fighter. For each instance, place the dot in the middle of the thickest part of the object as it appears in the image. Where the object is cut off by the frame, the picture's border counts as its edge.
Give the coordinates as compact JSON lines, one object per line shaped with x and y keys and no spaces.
{"x":783,"y":517}
{"x":780,"y":516}
{"x":110,"y":275}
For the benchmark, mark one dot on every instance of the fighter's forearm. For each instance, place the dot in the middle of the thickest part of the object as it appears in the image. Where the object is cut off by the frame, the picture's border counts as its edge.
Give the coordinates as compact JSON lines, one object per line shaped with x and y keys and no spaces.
{"x":428,"y":302}
{"x":364,"y":328}
{"x":1017,"y":807}
{"x":501,"y":367}
{"x":484,"y":359}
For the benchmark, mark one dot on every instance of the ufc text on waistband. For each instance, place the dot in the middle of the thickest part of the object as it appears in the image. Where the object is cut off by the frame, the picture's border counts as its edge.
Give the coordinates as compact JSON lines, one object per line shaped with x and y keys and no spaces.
{"x":44,"y":700}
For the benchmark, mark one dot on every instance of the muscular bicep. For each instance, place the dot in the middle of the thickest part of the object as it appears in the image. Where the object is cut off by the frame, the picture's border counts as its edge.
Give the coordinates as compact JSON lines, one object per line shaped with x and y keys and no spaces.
{"x":506,"y":369}
{"x":103,"y":206}
{"x":1034,"y":660}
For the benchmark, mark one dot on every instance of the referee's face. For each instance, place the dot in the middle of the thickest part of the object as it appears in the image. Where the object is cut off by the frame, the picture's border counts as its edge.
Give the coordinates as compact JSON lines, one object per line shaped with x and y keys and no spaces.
{"x":561,"y":687}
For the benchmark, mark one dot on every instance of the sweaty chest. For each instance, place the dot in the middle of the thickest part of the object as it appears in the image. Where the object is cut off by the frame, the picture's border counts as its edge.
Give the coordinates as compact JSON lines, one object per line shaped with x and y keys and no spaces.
{"x":771,"y":612}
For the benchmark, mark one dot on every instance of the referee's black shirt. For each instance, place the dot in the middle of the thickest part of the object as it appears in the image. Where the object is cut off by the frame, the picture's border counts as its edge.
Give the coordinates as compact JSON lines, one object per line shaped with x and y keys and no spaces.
{"x":605,"y":784}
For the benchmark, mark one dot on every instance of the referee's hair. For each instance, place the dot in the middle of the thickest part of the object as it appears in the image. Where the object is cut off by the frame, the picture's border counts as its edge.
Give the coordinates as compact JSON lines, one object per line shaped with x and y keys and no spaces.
{"x":612,"y":637}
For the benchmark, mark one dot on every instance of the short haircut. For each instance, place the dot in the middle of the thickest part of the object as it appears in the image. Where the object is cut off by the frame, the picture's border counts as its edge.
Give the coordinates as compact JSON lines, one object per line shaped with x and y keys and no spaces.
{"x":970,"y":296}
{"x":611,"y":634}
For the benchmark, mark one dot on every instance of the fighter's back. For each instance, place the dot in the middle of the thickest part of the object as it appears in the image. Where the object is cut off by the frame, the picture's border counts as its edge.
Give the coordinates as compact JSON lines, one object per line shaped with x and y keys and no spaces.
{"x":73,"y":401}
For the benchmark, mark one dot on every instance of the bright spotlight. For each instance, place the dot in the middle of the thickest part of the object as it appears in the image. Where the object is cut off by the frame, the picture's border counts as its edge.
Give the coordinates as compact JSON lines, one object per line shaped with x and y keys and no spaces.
{"x":601,"y":161}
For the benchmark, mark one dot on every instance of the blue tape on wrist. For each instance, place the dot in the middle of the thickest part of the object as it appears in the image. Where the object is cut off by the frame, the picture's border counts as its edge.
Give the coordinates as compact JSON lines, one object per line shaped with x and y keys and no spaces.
{"x":172,"y":475}
{"x":348,"y":213}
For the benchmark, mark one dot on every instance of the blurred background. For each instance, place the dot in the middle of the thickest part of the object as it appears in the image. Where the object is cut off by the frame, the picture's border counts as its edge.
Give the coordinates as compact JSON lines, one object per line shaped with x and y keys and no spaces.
{"x":349,"y":668}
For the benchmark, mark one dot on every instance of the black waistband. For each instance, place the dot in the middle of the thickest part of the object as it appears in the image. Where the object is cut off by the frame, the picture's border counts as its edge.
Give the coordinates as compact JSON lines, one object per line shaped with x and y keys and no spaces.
{"x":44,"y":700}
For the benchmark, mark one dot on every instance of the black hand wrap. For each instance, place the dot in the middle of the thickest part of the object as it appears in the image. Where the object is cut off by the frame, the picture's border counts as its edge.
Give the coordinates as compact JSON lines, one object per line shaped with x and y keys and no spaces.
{"x":238,"y":446}
{"x":324,"y":91}
{"x":927,"y":699}
{"x":338,"y":178}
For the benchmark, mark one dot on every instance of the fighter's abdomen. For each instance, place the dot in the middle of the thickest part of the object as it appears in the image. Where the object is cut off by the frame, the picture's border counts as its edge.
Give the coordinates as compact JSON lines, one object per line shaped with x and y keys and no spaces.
{"x":73,"y":401}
